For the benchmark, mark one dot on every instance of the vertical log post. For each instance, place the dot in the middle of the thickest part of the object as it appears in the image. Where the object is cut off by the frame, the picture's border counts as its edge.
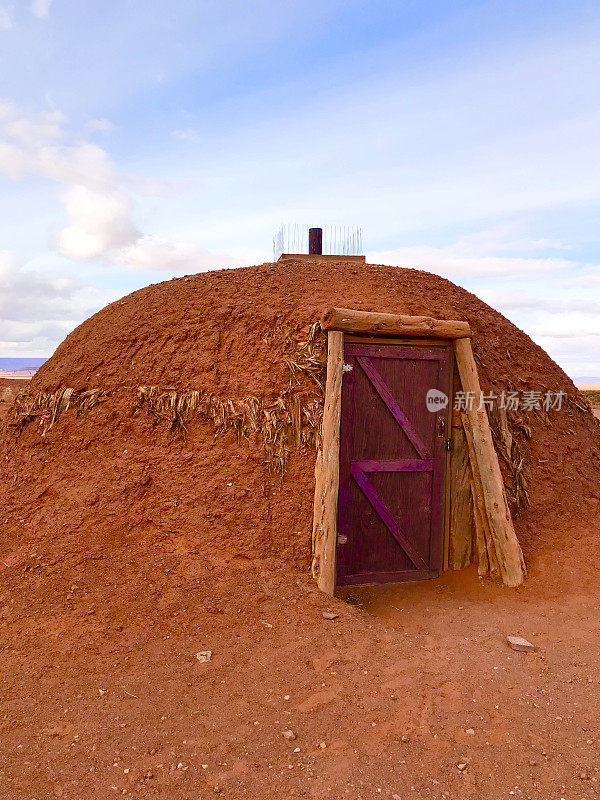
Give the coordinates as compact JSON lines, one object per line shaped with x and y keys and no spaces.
{"x":327,"y":470}
{"x":502,"y":533}
{"x":486,"y":553}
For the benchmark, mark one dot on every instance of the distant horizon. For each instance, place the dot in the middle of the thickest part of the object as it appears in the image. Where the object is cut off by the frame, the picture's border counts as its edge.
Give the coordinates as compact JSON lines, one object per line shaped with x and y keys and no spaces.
{"x":15,"y":363}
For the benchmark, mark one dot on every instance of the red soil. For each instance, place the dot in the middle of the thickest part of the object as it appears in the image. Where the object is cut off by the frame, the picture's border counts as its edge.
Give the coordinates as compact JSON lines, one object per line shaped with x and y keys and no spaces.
{"x":125,"y":550}
{"x":9,"y":388}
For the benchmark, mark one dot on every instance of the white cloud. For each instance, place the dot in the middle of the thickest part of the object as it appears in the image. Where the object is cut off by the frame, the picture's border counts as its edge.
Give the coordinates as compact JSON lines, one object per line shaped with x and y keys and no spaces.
{"x":552,"y":298}
{"x":95,"y":195}
{"x":84,"y":164}
{"x":579,"y":350}
{"x":6,"y":23}
{"x":8,"y":262}
{"x":38,"y":309}
{"x":476,"y":255}
{"x":519,"y":300}
{"x":100,"y":222}
{"x":28,"y":294}
{"x":154,"y":253}
{"x":564,"y":323}
{"x":568,"y":324}
{"x":34,"y":133}
{"x":40,"y":8}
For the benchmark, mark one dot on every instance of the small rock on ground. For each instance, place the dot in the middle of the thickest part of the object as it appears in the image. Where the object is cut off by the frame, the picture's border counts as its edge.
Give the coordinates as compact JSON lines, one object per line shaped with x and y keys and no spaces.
{"x":204,"y":655}
{"x":520,"y":644}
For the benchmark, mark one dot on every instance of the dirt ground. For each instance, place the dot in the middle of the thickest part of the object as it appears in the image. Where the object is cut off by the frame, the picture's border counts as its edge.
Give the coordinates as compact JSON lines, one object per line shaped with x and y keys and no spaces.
{"x":410,"y":692}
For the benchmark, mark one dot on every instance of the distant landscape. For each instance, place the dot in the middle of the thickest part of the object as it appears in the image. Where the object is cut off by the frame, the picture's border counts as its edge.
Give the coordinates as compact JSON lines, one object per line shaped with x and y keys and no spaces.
{"x":15,"y":364}
{"x":20,"y":367}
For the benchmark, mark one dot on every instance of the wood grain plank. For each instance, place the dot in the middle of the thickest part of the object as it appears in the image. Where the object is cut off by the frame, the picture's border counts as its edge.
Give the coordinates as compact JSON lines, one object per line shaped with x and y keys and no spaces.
{"x":394,"y":408}
{"x":327,"y":470}
{"x":356,"y":321}
{"x":394,"y":351}
{"x":388,"y":519}
{"x":399,"y":465}
{"x":461,"y":543}
{"x":503,"y":537}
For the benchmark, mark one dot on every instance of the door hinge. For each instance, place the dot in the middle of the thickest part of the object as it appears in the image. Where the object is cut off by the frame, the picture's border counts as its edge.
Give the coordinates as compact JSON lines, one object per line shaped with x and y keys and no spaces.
{"x":449,"y":445}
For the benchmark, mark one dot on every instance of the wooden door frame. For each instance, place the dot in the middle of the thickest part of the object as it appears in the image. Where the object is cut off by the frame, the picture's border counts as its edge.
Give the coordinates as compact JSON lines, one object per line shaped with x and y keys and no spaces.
{"x":488,"y":488}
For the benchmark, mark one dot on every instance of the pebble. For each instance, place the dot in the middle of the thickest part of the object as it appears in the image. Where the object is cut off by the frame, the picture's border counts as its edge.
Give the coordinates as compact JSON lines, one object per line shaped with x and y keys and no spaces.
{"x":462,"y":766}
{"x":330,"y":615}
{"x":204,"y":655}
{"x":470,"y":731}
{"x":520,"y":644}
{"x":289,"y":735}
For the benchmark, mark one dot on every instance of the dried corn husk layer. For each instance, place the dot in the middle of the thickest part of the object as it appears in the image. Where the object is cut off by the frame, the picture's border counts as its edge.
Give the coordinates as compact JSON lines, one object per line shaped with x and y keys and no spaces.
{"x":46,"y":407}
{"x":290,"y":421}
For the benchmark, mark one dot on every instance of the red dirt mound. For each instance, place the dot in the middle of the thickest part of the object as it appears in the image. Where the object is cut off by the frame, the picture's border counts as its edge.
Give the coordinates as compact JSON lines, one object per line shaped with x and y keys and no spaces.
{"x":214,"y":332}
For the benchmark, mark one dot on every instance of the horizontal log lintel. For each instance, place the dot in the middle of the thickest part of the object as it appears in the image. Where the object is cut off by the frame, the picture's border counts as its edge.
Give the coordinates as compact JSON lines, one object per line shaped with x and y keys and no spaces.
{"x":354,"y":321}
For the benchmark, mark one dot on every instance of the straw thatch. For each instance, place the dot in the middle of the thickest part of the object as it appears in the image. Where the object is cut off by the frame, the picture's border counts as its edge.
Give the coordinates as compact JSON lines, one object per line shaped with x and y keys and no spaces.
{"x":304,"y":351}
{"x":289,"y":421}
{"x":510,"y":433}
{"x":46,"y":407}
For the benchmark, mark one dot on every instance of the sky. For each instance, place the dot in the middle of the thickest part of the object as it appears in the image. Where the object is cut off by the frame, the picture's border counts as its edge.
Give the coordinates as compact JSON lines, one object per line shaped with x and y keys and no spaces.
{"x":144,"y":140}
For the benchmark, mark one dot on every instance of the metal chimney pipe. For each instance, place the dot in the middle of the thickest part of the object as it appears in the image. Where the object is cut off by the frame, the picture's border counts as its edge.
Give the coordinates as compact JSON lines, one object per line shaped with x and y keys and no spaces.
{"x":315,"y":241}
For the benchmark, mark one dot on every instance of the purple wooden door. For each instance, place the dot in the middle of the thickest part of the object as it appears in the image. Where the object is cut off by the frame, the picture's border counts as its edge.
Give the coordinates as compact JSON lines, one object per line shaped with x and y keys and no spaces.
{"x":392,"y":456}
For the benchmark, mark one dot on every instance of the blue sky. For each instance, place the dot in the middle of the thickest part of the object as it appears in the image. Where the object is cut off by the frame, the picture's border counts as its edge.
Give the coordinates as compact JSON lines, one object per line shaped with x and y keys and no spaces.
{"x":139,"y":141}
